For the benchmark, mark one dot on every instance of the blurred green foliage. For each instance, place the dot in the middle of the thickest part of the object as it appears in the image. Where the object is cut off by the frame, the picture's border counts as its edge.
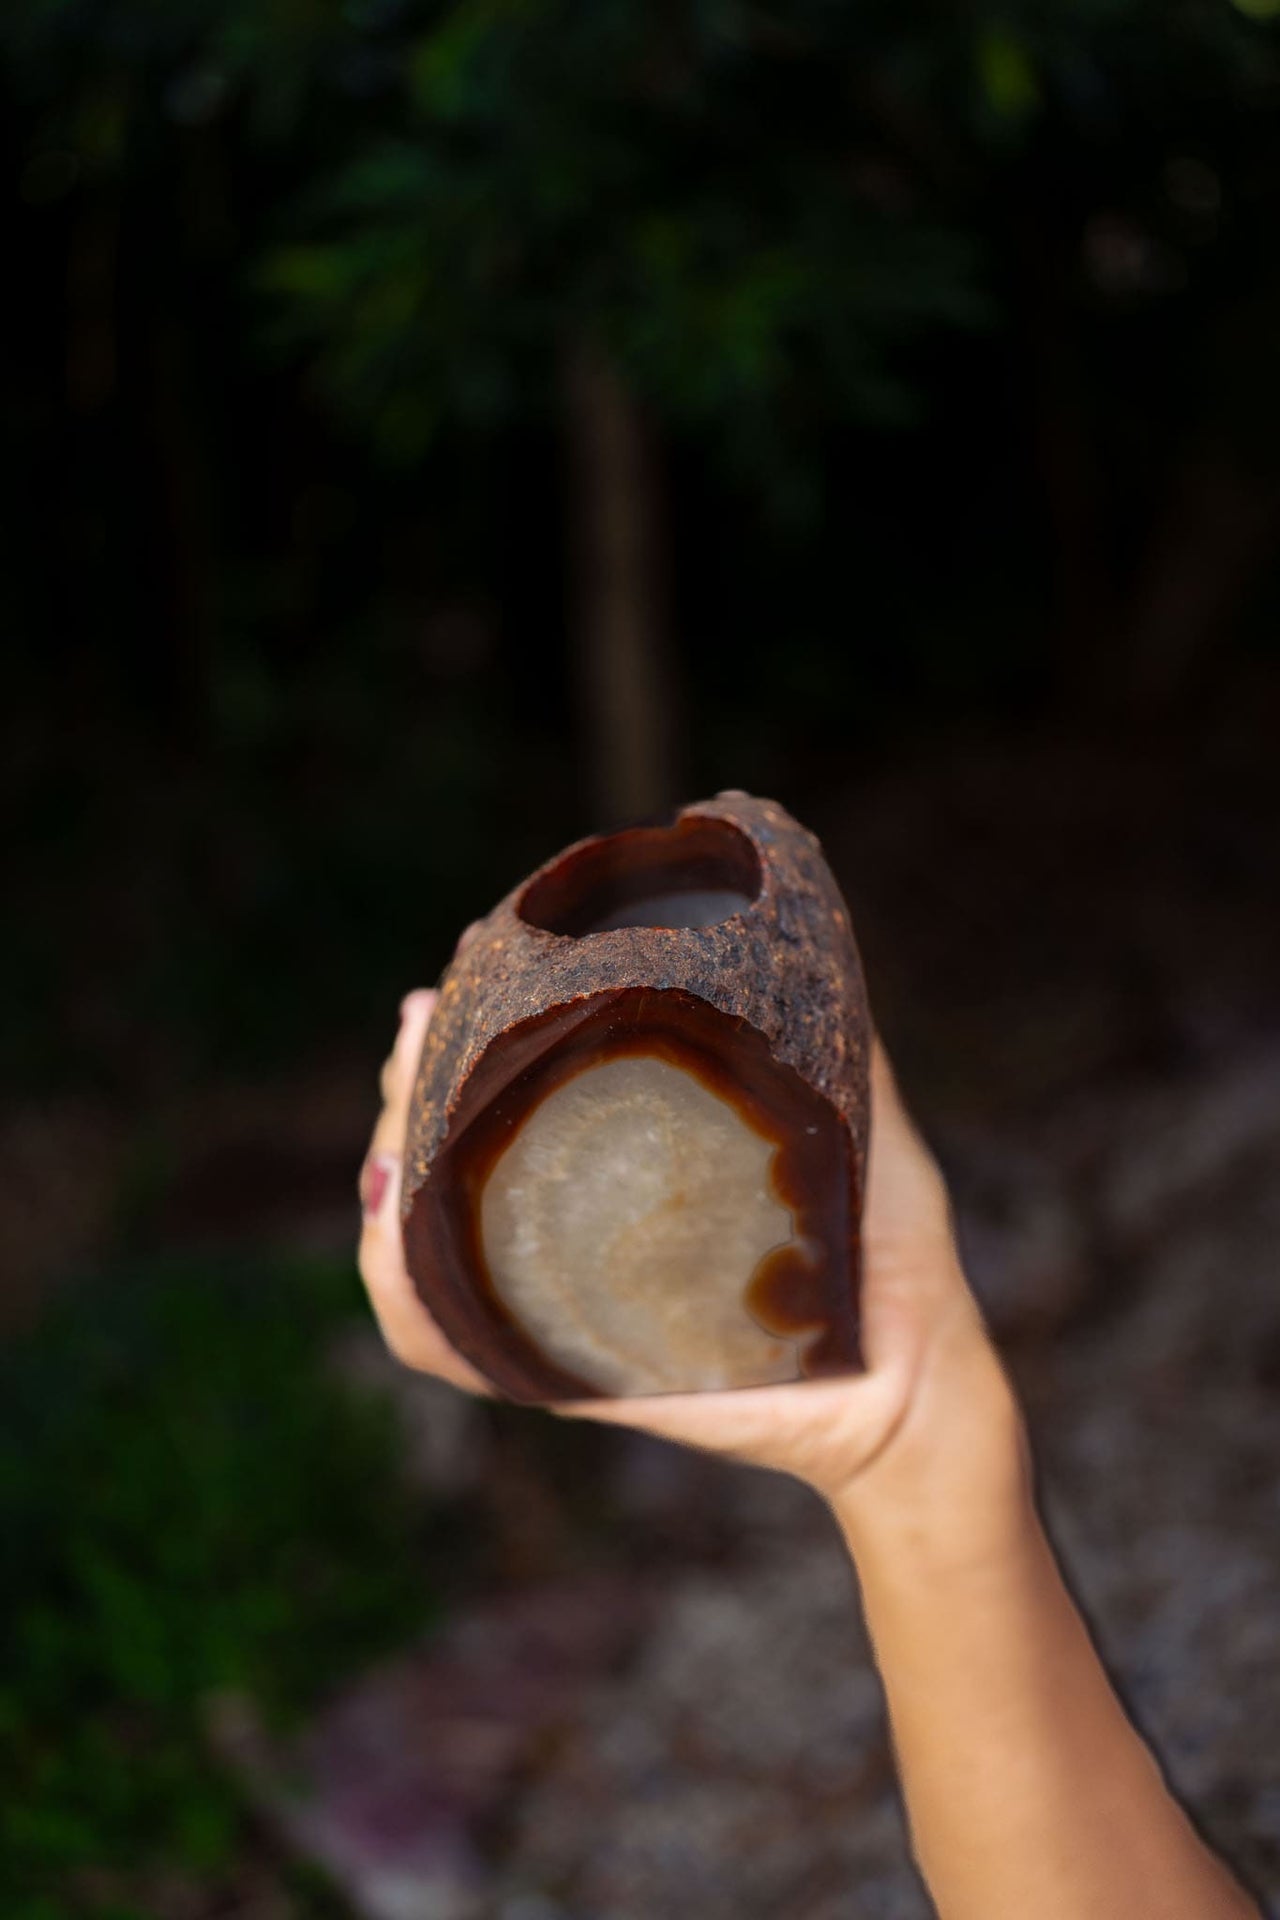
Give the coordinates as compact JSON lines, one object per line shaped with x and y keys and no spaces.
{"x":191,"y":1504}
{"x":754,"y":205}
{"x":679,"y":184}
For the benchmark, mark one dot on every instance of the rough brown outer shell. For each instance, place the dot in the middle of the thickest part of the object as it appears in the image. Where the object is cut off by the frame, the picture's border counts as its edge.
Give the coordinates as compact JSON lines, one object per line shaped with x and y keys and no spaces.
{"x":788,"y":966}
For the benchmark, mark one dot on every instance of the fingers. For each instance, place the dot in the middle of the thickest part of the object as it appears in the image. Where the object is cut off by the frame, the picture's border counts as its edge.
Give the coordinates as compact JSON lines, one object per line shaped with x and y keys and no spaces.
{"x":399,"y":1069}
{"x":406,"y":1326}
{"x":404,"y":1322}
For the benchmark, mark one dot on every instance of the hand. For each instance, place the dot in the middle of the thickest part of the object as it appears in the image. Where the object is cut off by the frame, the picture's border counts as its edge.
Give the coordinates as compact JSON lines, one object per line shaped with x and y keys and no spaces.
{"x":928,"y":1438}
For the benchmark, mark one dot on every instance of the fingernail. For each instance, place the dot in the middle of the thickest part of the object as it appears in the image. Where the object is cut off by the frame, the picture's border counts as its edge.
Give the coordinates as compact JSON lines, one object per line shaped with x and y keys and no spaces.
{"x":412,"y":1001}
{"x":374,"y":1176}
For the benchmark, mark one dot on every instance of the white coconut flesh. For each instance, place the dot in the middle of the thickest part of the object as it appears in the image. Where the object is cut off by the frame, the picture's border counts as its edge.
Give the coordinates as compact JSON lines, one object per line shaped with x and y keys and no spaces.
{"x":623,"y":1223}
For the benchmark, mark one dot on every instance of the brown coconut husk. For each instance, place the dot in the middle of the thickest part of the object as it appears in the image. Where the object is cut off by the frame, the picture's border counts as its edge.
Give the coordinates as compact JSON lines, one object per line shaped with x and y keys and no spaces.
{"x":768,"y":1006}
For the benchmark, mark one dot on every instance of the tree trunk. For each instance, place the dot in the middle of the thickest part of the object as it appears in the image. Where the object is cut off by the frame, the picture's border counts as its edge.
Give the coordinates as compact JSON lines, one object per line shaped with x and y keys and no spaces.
{"x":1215,"y":538}
{"x":628,"y":703}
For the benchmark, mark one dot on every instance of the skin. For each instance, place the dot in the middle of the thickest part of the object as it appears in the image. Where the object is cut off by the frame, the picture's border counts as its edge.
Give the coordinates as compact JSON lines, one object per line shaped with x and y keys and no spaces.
{"x":1028,"y":1790}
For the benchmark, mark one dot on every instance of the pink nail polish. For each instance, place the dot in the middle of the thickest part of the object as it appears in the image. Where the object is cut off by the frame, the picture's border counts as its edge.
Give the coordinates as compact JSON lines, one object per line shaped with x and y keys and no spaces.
{"x":374,"y":1176}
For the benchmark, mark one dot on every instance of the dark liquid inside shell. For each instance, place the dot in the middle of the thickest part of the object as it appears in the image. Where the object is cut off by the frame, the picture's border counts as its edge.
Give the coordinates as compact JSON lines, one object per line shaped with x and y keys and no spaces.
{"x":696,"y":873}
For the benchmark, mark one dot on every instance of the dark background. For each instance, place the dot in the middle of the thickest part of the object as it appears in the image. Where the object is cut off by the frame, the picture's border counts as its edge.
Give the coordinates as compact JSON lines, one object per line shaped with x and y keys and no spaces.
{"x":433,"y":432}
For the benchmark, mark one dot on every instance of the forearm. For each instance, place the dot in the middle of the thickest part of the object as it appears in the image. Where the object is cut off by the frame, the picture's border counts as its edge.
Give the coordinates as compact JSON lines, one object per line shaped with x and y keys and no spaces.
{"x":1028,"y":1790}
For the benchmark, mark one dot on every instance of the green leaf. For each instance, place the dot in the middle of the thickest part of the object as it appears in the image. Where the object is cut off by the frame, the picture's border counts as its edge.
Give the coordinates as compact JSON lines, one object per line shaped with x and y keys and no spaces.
{"x":1006,"y":74}
{"x":458,"y":72}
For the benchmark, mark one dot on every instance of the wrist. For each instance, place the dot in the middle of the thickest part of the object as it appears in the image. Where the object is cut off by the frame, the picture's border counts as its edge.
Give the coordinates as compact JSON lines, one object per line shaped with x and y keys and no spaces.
{"x":951,"y":1490}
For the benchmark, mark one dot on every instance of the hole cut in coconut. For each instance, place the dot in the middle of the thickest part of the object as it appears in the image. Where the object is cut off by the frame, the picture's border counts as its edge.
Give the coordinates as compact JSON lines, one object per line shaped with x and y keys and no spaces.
{"x":696,"y":873}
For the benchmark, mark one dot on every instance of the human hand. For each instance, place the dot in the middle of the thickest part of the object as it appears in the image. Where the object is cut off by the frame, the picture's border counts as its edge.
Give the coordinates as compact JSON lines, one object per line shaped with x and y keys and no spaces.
{"x":927,"y":1440}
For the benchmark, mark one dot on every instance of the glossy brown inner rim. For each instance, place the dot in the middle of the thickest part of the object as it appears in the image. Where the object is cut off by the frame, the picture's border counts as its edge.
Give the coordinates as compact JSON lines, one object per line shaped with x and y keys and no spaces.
{"x":697,"y":854}
{"x":807,"y":1288}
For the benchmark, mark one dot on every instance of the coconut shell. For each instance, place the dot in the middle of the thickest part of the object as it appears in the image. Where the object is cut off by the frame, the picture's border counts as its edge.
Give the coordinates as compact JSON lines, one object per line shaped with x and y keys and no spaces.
{"x":768,"y":1006}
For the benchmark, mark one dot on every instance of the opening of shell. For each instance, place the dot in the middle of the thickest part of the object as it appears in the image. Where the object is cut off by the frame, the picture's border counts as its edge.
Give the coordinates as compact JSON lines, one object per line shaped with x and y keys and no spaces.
{"x":695,"y":873}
